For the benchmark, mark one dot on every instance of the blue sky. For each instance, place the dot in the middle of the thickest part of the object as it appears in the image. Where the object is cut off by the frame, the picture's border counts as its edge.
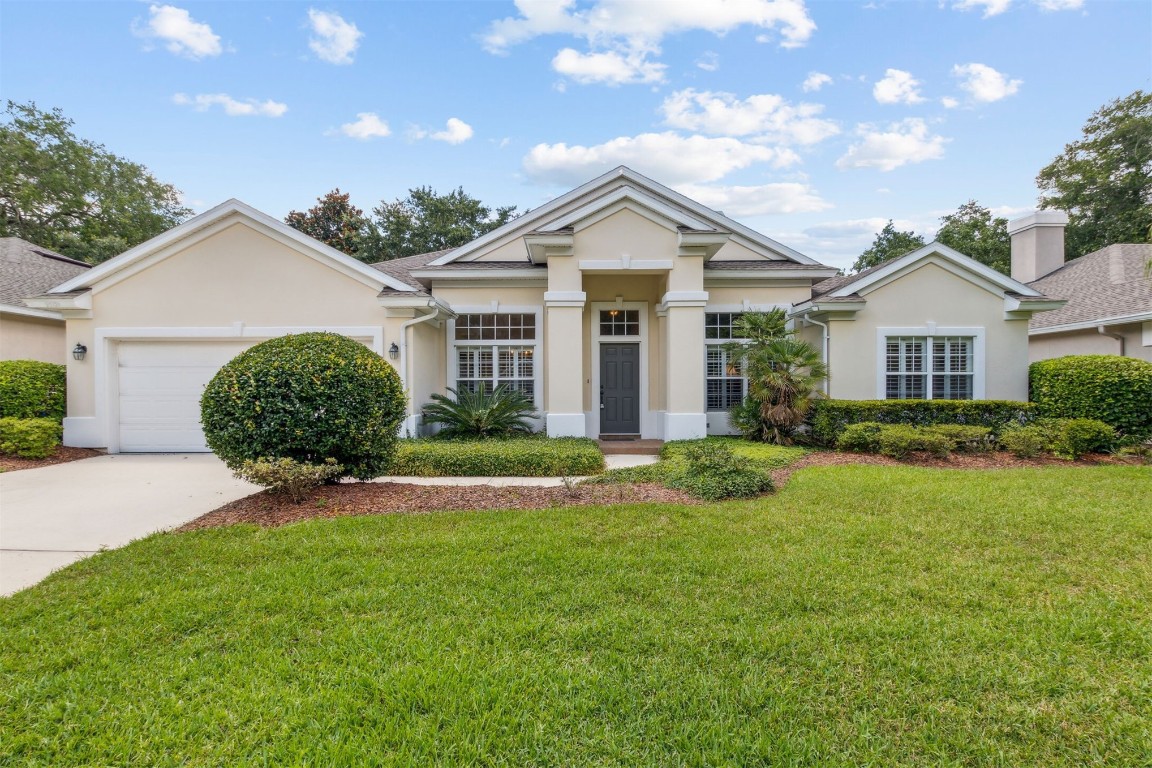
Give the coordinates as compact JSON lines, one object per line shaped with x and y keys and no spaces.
{"x":813,"y":122}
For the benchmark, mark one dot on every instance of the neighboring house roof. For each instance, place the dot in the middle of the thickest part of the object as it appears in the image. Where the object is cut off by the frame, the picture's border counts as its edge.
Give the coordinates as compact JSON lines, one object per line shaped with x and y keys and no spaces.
{"x":622,"y":184}
{"x":27,"y":270}
{"x":160,"y":247}
{"x":401,"y":268}
{"x":1106,"y":287}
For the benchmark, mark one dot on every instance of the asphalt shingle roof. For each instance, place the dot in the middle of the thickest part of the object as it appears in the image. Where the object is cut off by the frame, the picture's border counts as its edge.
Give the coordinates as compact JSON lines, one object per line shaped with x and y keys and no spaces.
{"x":1111,"y":282}
{"x":401,"y":269}
{"x":27,"y":270}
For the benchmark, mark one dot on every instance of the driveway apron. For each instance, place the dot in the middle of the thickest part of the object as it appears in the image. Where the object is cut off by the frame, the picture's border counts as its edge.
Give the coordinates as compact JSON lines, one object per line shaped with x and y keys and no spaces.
{"x":53,"y":516}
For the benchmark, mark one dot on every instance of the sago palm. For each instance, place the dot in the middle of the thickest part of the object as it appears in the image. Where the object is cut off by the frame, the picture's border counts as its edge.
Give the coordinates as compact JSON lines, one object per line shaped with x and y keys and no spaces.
{"x":503,"y":411}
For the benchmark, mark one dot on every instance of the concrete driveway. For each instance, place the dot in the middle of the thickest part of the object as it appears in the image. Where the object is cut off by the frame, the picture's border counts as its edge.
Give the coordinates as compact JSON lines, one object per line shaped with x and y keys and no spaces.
{"x":53,"y":516}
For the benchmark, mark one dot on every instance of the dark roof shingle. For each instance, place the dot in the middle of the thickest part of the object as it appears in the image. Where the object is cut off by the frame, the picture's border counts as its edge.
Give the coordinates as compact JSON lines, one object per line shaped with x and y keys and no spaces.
{"x":1111,"y":282}
{"x":27,"y":270}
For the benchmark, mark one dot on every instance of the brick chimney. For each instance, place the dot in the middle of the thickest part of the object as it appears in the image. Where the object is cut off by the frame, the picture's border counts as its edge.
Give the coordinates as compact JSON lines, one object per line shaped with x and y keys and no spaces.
{"x":1037,"y":244}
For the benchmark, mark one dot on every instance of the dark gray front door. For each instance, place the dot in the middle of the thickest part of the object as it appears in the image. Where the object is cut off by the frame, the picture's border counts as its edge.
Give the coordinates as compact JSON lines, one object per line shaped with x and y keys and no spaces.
{"x":619,"y":389}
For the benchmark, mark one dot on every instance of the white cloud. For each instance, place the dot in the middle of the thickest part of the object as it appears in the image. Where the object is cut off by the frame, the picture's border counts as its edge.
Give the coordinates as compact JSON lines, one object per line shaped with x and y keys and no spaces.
{"x":709,"y":61}
{"x":949,"y":102}
{"x":367,"y":126}
{"x":457,"y":132}
{"x":668,"y":156}
{"x":202,"y":102}
{"x":335,"y":40}
{"x":767,"y":115}
{"x":766,"y":199}
{"x":642,"y":23}
{"x":610,"y":68}
{"x":182,"y":35}
{"x":1059,"y":5}
{"x":815,"y":81}
{"x":983,"y":83}
{"x":897,"y":87}
{"x":907,"y":141}
{"x":991,"y":7}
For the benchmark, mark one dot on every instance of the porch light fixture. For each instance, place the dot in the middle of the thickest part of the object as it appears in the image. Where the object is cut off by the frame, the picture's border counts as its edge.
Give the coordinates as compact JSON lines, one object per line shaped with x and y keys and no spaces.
{"x":79,"y":351}
{"x":394,"y":351}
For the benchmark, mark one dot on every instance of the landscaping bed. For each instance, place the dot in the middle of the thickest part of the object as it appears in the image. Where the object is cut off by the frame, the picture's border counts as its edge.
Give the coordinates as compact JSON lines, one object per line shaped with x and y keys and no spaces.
{"x":62,"y":455}
{"x":506,"y":457}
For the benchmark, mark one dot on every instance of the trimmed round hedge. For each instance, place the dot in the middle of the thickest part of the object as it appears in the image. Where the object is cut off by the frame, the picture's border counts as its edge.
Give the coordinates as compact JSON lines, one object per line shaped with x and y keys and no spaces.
{"x":308,"y":397}
{"x":30,"y":389}
{"x":1115,"y":390}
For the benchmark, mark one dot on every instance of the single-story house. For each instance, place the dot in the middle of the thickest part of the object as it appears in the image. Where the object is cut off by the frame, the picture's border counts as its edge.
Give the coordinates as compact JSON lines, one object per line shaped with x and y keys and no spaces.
{"x":27,"y":269}
{"x":608,"y":306}
{"x":1108,"y":293}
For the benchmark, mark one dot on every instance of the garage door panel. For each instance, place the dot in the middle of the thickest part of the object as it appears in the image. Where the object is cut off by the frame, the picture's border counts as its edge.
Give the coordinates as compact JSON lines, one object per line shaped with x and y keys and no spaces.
{"x":160,"y":387}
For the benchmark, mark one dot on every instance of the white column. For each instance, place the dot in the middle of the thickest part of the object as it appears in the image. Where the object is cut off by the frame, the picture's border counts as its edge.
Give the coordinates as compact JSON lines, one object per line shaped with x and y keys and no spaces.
{"x":684,"y":417}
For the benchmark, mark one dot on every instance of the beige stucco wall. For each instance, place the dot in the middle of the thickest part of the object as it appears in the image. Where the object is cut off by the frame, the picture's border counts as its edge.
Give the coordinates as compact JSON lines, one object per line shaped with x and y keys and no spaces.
{"x":33,"y":338}
{"x":236,"y":276}
{"x":1090,"y":342}
{"x":758,"y":295}
{"x":928,"y":294}
{"x":625,"y":233}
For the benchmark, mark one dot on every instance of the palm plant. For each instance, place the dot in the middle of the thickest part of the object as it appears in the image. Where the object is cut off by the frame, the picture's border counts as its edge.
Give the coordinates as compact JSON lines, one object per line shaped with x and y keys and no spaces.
{"x":500,"y":412}
{"x":783,"y":373}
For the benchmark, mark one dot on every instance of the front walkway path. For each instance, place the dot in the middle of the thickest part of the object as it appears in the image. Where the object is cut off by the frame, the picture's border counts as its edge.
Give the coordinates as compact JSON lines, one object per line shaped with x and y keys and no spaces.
{"x":53,"y":516}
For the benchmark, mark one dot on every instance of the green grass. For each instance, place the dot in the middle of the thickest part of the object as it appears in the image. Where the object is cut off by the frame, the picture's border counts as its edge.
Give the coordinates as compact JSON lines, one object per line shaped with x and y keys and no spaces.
{"x":862,"y":616}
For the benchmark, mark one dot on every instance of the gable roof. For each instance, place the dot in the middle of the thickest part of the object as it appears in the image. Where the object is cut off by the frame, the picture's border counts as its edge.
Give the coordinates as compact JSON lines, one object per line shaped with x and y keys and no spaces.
{"x":233,"y":210}
{"x":27,"y":270}
{"x":1105,"y":287}
{"x":846,"y":285}
{"x":608,"y":189}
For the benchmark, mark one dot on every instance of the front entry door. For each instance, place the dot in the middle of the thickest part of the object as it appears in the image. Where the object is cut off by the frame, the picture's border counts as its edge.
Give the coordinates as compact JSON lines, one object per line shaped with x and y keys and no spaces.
{"x":619,"y":389}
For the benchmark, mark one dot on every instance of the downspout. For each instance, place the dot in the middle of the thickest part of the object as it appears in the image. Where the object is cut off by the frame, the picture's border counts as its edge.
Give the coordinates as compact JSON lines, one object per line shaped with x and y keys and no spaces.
{"x":823,"y":346}
{"x":1100,"y":330}
{"x":405,"y":378}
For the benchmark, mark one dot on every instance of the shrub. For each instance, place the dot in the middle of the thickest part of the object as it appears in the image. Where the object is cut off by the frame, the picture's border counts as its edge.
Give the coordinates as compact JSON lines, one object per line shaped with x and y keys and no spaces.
{"x":524,"y":457}
{"x":1072,"y":438}
{"x":30,"y":389}
{"x":1026,"y":442}
{"x":308,"y":397}
{"x":713,"y":472}
{"x":1115,"y":390}
{"x":898,"y":440}
{"x":289,"y":476}
{"x":764,"y":455}
{"x":863,"y":436}
{"x":830,"y":417}
{"x":501,"y":413}
{"x":29,"y":438}
{"x":965,"y":438}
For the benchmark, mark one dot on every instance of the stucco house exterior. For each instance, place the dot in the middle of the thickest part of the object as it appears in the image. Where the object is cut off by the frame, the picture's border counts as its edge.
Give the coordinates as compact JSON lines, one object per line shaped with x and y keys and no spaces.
{"x":608,"y":306}
{"x":27,"y":269}
{"x":1108,"y":309}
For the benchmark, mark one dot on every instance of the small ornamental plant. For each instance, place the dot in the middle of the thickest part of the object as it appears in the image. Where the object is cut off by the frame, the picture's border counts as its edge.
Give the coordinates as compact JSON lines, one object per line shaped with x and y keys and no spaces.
{"x":309,"y":397}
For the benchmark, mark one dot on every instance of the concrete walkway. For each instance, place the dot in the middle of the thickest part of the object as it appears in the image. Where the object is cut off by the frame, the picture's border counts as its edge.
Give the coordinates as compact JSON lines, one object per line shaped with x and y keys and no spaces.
{"x":53,"y":516}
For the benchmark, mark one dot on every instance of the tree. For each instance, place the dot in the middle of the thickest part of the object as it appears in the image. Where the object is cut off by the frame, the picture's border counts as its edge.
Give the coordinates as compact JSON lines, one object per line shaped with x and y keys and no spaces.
{"x":783,"y":372}
{"x":1103,"y":181}
{"x":974,"y":232}
{"x":889,"y":244}
{"x":426,"y":221}
{"x":74,"y":195}
{"x":335,"y":222}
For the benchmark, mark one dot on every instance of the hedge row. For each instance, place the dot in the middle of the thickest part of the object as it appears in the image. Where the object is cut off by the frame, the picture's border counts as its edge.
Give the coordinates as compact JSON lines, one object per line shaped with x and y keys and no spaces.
{"x":30,"y":389}
{"x":1115,"y":390}
{"x":30,"y":438}
{"x":828,"y":418}
{"x":517,"y":457}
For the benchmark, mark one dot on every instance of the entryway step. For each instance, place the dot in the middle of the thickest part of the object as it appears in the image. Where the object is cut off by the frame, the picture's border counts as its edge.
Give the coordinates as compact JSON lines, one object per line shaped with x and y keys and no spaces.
{"x":630,"y":447}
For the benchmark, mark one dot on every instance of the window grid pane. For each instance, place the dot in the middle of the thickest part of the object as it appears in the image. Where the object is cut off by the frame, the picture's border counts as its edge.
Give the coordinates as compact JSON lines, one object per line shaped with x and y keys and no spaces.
{"x":619,"y":322}
{"x":936,"y":368}
{"x":718,"y":325}
{"x":496,"y":327}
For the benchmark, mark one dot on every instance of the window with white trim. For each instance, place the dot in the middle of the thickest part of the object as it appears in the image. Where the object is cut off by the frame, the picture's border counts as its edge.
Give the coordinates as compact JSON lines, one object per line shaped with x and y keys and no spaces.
{"x":725,"y":385}
{"x":495,"y":349}
{"x":929,"y":368}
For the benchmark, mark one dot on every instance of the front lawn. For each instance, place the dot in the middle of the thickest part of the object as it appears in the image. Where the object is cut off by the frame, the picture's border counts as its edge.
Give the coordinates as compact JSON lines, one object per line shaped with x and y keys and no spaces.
{"x":861,"y":616}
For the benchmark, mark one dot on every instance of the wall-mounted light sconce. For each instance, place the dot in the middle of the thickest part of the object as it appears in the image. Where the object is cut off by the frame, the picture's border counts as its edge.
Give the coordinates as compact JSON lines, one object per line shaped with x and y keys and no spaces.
{"x":394,"y":351}
{"x":79,"y":351}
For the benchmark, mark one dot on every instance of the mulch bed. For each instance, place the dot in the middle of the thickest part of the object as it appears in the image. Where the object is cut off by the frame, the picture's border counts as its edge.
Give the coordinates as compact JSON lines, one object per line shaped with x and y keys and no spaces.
{"x":346,"y":499}
{"x":406,"y":498}
{"x":62,"y":456}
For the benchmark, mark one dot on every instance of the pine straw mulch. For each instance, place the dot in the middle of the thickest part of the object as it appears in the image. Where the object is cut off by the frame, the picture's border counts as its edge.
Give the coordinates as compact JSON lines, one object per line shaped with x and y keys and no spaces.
{"x":348,"y":499}
{"x":62,"y":455}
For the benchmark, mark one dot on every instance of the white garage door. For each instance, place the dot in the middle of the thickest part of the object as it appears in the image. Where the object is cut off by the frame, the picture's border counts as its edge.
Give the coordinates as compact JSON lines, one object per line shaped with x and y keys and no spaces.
{"x":160,"y":388}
